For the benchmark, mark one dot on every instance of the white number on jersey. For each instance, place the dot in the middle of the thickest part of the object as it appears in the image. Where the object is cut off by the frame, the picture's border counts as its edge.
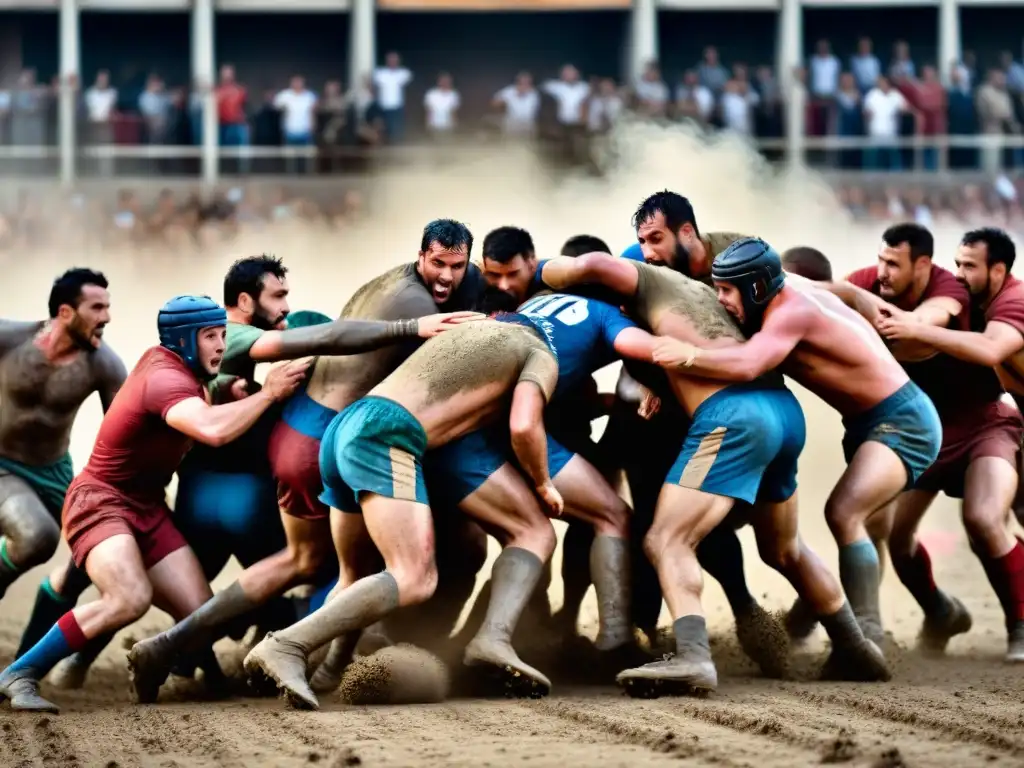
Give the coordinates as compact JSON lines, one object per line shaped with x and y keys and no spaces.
{"x":568,"y":310}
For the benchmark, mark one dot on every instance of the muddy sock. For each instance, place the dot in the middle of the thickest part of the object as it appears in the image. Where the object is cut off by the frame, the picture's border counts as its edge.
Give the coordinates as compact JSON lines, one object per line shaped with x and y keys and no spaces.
{"x":577,"y":550}
{"x":692,"y":638}
{"x":721,"y":554}
{"x":208,"y":621}
{"x":339,"y":655}
{"x":858,"y":571}
{"x":842,"y":627}
{"x":609,"y":570}
{"x":915,"y":572}
{"x":513,"y":579}
{"x":49,"y":607}
{"x":367,"y":601}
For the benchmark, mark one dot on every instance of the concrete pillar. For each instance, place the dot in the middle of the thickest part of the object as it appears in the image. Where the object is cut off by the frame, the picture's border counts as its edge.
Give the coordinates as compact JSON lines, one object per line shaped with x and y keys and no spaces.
{"x":203,"y":78}
{"x":949,"y":37}
{"x":362,"y":40}
{"x":70,"y":66}
{"x":789,"y":56}
{"x":643,"y":37}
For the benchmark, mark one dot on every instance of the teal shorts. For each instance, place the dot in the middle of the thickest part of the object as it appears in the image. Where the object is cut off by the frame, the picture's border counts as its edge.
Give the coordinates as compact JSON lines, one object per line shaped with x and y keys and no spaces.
{"x":49,"y":481}
{"x":373,"y":446}
{"x":907,"y":422}
{"x":743,"y":444}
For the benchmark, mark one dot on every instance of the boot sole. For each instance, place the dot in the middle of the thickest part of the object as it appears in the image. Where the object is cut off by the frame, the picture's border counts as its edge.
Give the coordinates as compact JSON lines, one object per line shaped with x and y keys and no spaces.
{"x":261,"y":676}
{"x":653,"y":688}
{"x":143,"y":687}
{"x":509,"y":682}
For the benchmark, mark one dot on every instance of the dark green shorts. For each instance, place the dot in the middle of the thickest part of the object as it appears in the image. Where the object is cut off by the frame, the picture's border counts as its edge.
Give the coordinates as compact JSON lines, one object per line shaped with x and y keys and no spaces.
{"x":49,"y":481}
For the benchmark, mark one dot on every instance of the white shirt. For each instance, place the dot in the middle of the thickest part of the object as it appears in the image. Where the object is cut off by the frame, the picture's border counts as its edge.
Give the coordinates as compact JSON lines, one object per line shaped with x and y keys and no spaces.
{"x":603,"y":112}
{"x":441,"y":106}
{"x":652,"y":90}
{"x":100,"y":103}
{"x":520,"y":109}
{"x":391,"y":86}
{"x":884,"y":112}
{"x":702,"y":97}
{"x":824,"y":75}
{"x":297,"y":110}
{"x":736,"y":112}
{"x":570,"y":98}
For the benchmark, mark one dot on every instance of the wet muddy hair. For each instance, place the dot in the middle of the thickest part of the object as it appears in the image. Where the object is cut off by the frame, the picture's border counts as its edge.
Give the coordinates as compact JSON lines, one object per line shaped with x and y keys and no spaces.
{"x":581,"y":244}
{"x":505,"y":243}
{"x":246,"y":276}
{"x":914,"y":235}
{"x":67,"y":289}
{"x":807,"y":262}
{"x":998,"y":245}
{"x":447,"y":233}
{"x":674,"y":207}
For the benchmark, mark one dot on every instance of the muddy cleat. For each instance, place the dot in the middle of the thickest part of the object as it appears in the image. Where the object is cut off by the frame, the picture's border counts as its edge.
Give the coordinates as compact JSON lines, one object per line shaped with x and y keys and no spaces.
{"x":497,"y":657}
{"x":1015,"y":647}
{"x":285,"y":664}
{"x":70,"y":674}
{"x":763,"y":638}
{"x":861,"y":663}
{"x":148,"y":668}
{"x":23,"y":691}
{"x":801,"y":621}
{"x":676,"y":676}
{"x":937,"y":631}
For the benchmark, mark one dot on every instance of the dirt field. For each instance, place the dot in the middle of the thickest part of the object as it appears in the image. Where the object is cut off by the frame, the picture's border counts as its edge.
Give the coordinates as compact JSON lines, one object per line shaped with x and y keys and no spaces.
{"x":965,"y":710}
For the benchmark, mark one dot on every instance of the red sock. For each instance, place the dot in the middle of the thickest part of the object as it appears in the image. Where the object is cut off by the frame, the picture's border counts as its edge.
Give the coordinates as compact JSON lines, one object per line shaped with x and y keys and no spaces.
{"x":1012,"y":567}
{"x":68,"y":624}
{"x":916,"y":574}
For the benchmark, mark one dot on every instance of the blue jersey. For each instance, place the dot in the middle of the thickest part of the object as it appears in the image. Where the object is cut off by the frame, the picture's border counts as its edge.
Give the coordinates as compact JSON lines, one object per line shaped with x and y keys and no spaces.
{"x":634,"y":253}
{"x":581,"y":330}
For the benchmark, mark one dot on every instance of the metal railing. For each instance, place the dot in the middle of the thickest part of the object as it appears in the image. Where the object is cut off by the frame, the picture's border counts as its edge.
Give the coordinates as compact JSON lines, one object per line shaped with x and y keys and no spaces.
{"x":987,"y":153}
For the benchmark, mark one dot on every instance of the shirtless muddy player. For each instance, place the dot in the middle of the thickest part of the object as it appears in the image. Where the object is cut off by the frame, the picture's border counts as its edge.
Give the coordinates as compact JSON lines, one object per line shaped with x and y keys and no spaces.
{"x":401,"y":305}
{"x":743,"y":445}
{"x":47,"y":370}
{"x":372,"y":466}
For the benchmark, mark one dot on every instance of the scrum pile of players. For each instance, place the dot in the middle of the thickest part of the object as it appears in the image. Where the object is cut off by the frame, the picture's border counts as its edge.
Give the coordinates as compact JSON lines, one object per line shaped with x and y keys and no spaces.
{"x":451,"y":402}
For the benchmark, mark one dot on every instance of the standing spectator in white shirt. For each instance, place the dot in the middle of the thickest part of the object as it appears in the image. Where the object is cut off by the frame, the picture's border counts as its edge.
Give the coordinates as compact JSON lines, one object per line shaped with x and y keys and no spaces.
{"x":604,"y":108}
{"x":883,"y":107}
{"x":390,"y":81}
{"x":442,"y":104}
{"x":865,"y":65}
{"x":296,"y":104}
{"x":694,"y":101}
{"x":824,"y":72}
{"x":571,"y":95}
{"x":652,"y":94}
{"x":520,"y":103}
{"x":100,"y":108}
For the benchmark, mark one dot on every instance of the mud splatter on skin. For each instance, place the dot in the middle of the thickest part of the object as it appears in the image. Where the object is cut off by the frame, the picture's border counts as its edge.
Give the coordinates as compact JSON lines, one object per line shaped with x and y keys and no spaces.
{"x":401,"y":674}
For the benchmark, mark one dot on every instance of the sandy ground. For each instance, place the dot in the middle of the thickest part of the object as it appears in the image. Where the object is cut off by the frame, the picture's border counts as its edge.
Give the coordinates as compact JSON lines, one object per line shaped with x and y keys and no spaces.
{"x":965,"y":710}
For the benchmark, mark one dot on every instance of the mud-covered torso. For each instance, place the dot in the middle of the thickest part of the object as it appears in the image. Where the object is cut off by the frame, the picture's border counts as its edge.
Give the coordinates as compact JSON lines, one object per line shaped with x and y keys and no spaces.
{"x":464,"y":378}
{"x":398,"y":294}
{"x":39,"y":399}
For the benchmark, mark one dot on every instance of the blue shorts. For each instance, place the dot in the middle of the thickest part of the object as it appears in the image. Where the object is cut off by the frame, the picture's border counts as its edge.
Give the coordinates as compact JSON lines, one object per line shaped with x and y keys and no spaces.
{"x":744,"y":444}
{"x":306,"y":416}
{"x":457,"y":469}
{"x":907,"y":422}
{"x":222,"y":514}
{"x":375,"y":446}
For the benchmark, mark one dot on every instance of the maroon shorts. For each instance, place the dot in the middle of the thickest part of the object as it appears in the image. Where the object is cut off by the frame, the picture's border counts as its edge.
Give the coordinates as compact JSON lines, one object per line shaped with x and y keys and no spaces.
{"x":94,"y":512}
{"x":995,"y":430}
{"x":295,"y":463}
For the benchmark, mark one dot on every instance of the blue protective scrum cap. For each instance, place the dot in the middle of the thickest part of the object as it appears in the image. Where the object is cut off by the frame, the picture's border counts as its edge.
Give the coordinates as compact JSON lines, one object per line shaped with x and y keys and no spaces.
{"x":755,"y":268}
{"x":179,"y":322}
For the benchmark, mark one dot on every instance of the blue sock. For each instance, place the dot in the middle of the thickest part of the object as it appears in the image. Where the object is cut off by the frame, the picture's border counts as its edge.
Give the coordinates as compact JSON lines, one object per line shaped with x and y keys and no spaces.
{"x":63,"y":639}
{"x":859,"y":573}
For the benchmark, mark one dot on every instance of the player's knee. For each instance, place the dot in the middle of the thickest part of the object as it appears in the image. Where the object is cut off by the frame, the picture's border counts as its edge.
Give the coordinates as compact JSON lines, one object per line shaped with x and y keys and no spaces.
{"x":985,"y":523}
{"x":781,"y":555}
{"x":613,"y":518}
{"x":130,"y":602}
{"x":656,"y":541}
{"x":35,"y":538}
{"x":307,"y":559}
{"x":416,"y":577}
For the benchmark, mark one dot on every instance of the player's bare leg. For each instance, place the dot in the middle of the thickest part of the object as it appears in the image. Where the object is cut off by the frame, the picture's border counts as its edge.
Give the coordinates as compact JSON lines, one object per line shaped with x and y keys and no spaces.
{"x":853,"y":657}
{"x":29,"y":535}
{"x":403,"y":532}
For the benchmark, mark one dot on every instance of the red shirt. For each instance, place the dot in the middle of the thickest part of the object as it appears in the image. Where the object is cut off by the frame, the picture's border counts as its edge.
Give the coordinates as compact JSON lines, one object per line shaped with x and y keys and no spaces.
{"x":231,"y":104}
{"x":135,"y":450}
{"x":949,"y":382}
{"x":1006,"y":307}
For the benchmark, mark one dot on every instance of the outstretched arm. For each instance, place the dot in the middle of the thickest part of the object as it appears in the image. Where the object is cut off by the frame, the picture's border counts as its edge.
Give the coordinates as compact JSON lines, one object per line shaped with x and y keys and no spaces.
{"x":767,"y":349}
{"x":349,"y":337}
{"x":563,"y":272}
{"x":993,"y":347}
{"x":526,"y":423}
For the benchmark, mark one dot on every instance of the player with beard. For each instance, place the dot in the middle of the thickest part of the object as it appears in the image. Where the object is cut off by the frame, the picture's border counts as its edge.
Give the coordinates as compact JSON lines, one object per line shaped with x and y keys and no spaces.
{"x":981,"y":447}
{"x":47,"y":370}
{"x":115,"y":515}
{"x":743,"y":445}
{"x":400,"y":307}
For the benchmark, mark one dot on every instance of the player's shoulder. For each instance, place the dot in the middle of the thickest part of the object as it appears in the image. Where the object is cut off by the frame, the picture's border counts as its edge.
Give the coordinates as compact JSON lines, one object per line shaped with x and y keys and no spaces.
{"x":864,"y":277}
{"x":105,"y":360}
{"x":943,"y":284}
{"x":719,"y":241}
